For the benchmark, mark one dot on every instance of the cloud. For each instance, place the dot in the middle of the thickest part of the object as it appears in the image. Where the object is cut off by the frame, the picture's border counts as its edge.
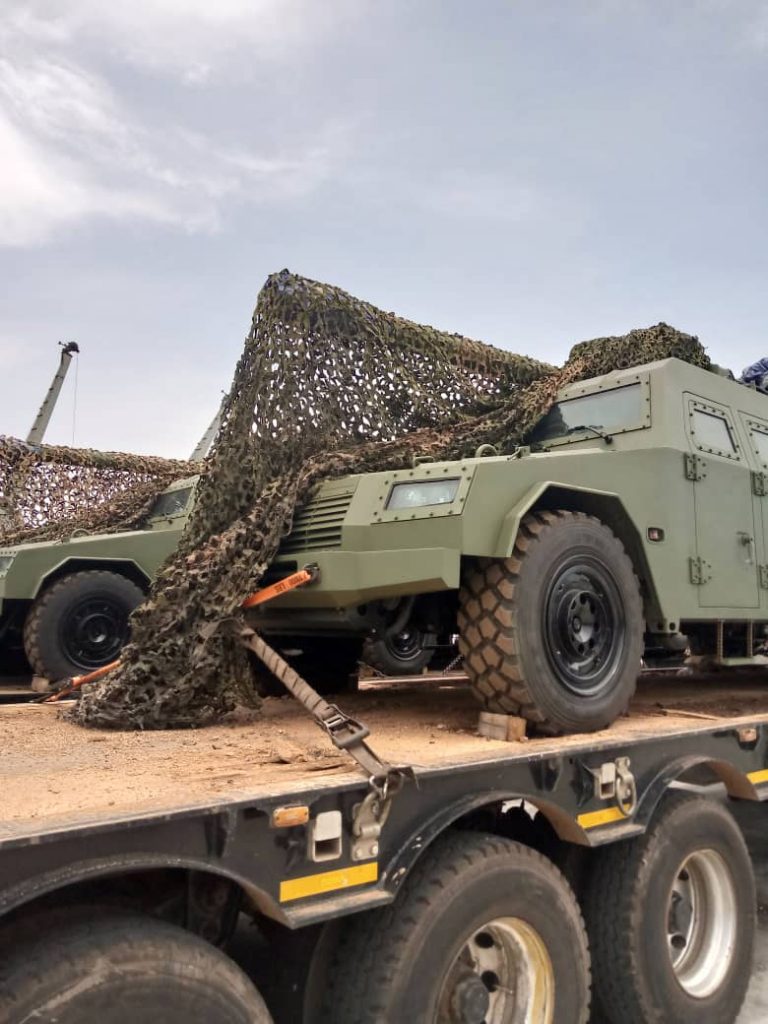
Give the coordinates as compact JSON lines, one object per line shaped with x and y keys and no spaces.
{"x":75,"y":146}
{"x":191,"y":39}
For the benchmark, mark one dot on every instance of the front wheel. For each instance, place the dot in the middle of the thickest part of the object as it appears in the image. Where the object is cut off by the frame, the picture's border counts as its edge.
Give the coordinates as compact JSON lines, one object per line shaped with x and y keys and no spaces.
{"x":80,"y":623}
{"x":554,"y":633}
{"x":483,"y":930}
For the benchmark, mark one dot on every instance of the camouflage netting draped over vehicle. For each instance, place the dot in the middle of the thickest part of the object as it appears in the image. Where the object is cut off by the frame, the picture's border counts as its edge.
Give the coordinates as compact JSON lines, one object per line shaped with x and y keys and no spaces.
{"x":48,"y":492}
{"x":326,"y":385}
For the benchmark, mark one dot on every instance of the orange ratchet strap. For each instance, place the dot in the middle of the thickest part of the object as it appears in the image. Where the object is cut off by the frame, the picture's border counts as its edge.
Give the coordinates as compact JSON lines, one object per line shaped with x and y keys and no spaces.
{"x":77,"y":681}
{"x":296,"y":579}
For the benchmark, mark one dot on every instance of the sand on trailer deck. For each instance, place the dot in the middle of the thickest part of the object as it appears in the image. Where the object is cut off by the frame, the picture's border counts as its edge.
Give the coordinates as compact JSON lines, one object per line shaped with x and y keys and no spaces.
{"x":55,"y":773}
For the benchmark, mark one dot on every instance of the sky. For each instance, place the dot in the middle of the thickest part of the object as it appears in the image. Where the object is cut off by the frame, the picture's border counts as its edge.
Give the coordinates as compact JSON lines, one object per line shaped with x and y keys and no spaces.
{"x":531,"y":173}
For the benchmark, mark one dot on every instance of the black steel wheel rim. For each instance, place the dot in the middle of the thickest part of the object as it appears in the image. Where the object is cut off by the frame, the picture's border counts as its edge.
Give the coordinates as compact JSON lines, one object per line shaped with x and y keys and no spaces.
{"x":584,"y":626}
{"x":93,"y":632}
{"x":405,"y":645}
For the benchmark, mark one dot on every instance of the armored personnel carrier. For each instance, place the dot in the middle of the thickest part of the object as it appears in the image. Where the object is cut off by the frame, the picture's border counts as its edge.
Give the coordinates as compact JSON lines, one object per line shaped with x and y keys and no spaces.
{"x":66,"y":603}
{"x":633,"y":524}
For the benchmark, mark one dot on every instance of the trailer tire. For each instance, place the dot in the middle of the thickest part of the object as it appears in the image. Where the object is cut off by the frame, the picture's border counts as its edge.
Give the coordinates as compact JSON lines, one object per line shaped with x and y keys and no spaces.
{"x":79,"y":623}
{"x":118,"y":967}
{"x":554,"y":633}
{"x":472,"y":899}
{"x":685,"y":889}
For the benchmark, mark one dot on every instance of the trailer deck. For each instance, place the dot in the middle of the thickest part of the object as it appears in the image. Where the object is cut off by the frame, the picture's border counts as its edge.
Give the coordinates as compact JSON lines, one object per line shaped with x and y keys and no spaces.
{"x":263,"y":813}
{"x":55,"y":775}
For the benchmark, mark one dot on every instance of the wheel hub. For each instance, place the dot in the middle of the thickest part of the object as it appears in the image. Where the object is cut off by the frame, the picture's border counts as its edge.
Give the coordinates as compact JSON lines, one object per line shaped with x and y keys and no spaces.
{"x":701,"y":923}
{"x":583,"y":621}
{"x":470,"y":1000}
{"x":405,"y":643}
{"x":501,"y":975}
{"x":93,"y":632}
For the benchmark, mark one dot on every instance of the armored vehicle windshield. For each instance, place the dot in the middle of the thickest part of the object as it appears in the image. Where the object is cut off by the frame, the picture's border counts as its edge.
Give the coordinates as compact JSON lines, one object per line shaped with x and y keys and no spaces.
{"x":607,"y":411}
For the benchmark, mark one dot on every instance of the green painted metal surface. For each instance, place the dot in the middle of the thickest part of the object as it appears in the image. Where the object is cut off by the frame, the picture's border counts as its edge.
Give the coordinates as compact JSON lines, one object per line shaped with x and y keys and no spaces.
{"x":692,"y":485}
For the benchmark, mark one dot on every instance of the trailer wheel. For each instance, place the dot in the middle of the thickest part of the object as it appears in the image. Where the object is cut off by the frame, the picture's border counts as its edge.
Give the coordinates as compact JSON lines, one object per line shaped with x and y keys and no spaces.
{"x":554,"y":633}
{"x":120,"y":968}
{"x":401,"y":654}
{"x":79,"y":623}
{"x":671,"y":918}
{"x":483,"y":930}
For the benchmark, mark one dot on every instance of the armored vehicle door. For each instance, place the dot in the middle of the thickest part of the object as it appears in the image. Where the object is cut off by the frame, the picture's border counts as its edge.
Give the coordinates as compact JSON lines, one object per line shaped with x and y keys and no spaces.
{"x":757,"y":434}
{"x":725,"y":568}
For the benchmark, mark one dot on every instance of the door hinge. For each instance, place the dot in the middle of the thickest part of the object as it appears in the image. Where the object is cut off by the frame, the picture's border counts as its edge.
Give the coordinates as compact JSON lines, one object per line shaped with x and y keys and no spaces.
{"x":762,"y":573}
{"x":700,"y":570}
{"x":695,"y":467}
{"x":759,"y":484}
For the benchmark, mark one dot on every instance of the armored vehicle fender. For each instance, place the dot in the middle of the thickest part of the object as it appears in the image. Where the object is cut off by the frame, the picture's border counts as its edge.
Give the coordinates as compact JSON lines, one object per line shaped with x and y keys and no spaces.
{"x":607,"y":506}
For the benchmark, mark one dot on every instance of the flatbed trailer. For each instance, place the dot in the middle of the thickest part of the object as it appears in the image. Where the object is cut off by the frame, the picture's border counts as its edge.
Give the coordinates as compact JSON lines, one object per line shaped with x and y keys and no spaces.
{"x":465,"y":896}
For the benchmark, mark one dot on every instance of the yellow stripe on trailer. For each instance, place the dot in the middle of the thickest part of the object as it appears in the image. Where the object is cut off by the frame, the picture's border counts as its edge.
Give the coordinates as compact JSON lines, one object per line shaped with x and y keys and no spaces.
{"x":328,"y":881}
{"x":757,"y":777}
{"x":604,"y":817}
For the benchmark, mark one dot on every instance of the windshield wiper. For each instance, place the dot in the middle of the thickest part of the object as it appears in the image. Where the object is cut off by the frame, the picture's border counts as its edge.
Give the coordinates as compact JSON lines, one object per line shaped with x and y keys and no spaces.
{"x":595,"y":430}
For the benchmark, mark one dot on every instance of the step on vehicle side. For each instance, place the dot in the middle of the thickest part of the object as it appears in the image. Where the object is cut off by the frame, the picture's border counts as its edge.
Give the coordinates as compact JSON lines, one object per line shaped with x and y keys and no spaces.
{"x":633,"y":526}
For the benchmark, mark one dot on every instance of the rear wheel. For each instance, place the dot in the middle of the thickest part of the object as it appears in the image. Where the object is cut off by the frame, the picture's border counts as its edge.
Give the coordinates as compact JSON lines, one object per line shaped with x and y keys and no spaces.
{"x":483,"y":930}
{"x":671,"y":918}
{"x":120,"y":968}
{"x":403,"y":653}
{"x":555,"y":632}
{"x":80,"y":623}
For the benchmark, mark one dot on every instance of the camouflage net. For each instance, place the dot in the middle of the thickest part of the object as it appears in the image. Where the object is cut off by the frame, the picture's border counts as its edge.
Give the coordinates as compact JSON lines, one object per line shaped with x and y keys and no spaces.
{"x":326,"y":385}
{"x":50,"y":492}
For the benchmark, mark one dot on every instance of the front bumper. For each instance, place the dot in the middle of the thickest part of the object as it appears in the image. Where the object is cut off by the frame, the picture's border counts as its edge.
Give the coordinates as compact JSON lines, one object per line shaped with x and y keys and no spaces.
{"x":349,"y":578}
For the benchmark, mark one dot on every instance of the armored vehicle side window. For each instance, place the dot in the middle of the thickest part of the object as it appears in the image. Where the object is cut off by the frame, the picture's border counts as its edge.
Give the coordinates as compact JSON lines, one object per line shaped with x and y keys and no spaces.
{"x":171,"y":503}
{"x":712,"y":432}
{"x":607,"y":411}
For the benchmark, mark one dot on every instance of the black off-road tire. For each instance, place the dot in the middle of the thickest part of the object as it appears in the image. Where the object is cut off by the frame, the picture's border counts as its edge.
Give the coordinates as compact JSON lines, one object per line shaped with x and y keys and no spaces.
{"x":510,"y":628}
{"x":115,"y":967}
{"x":50,"y":630}
{"x":382,"y":653}
{"x":626,"y":905}
{"x":390,"y":964}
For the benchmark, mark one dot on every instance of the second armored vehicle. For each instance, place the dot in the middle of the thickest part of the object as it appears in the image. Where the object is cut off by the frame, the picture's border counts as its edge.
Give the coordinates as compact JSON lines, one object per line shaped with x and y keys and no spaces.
{"x":635,"y":523}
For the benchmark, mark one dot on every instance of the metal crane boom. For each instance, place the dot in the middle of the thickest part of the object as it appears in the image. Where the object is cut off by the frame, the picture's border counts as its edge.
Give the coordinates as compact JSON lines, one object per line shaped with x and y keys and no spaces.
{"x":205,"y":442}
{"x":36,"y":434}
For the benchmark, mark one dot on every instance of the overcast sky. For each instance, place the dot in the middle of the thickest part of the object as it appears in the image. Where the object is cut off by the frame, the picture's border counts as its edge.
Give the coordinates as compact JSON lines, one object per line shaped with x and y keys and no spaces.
{"x":527,"y":172}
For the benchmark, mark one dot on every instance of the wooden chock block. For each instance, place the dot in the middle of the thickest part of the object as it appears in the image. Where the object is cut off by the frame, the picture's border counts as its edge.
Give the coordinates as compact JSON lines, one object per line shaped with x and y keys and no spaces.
{"x":501,"y":727}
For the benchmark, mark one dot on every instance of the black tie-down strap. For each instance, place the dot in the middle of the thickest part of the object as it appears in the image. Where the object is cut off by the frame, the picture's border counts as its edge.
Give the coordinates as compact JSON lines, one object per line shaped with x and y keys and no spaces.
{"x":346,"y":734}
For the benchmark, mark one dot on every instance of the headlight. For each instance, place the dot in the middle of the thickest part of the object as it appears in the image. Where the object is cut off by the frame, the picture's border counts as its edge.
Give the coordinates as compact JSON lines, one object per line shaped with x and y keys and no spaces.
{"x":5,"y":563}
{"x":424,"y":492}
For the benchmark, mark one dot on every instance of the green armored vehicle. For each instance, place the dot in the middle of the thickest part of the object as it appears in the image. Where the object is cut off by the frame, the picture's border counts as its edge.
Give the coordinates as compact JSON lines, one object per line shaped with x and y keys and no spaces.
{"x":67,"y":602}
{"x":634,"y":524}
